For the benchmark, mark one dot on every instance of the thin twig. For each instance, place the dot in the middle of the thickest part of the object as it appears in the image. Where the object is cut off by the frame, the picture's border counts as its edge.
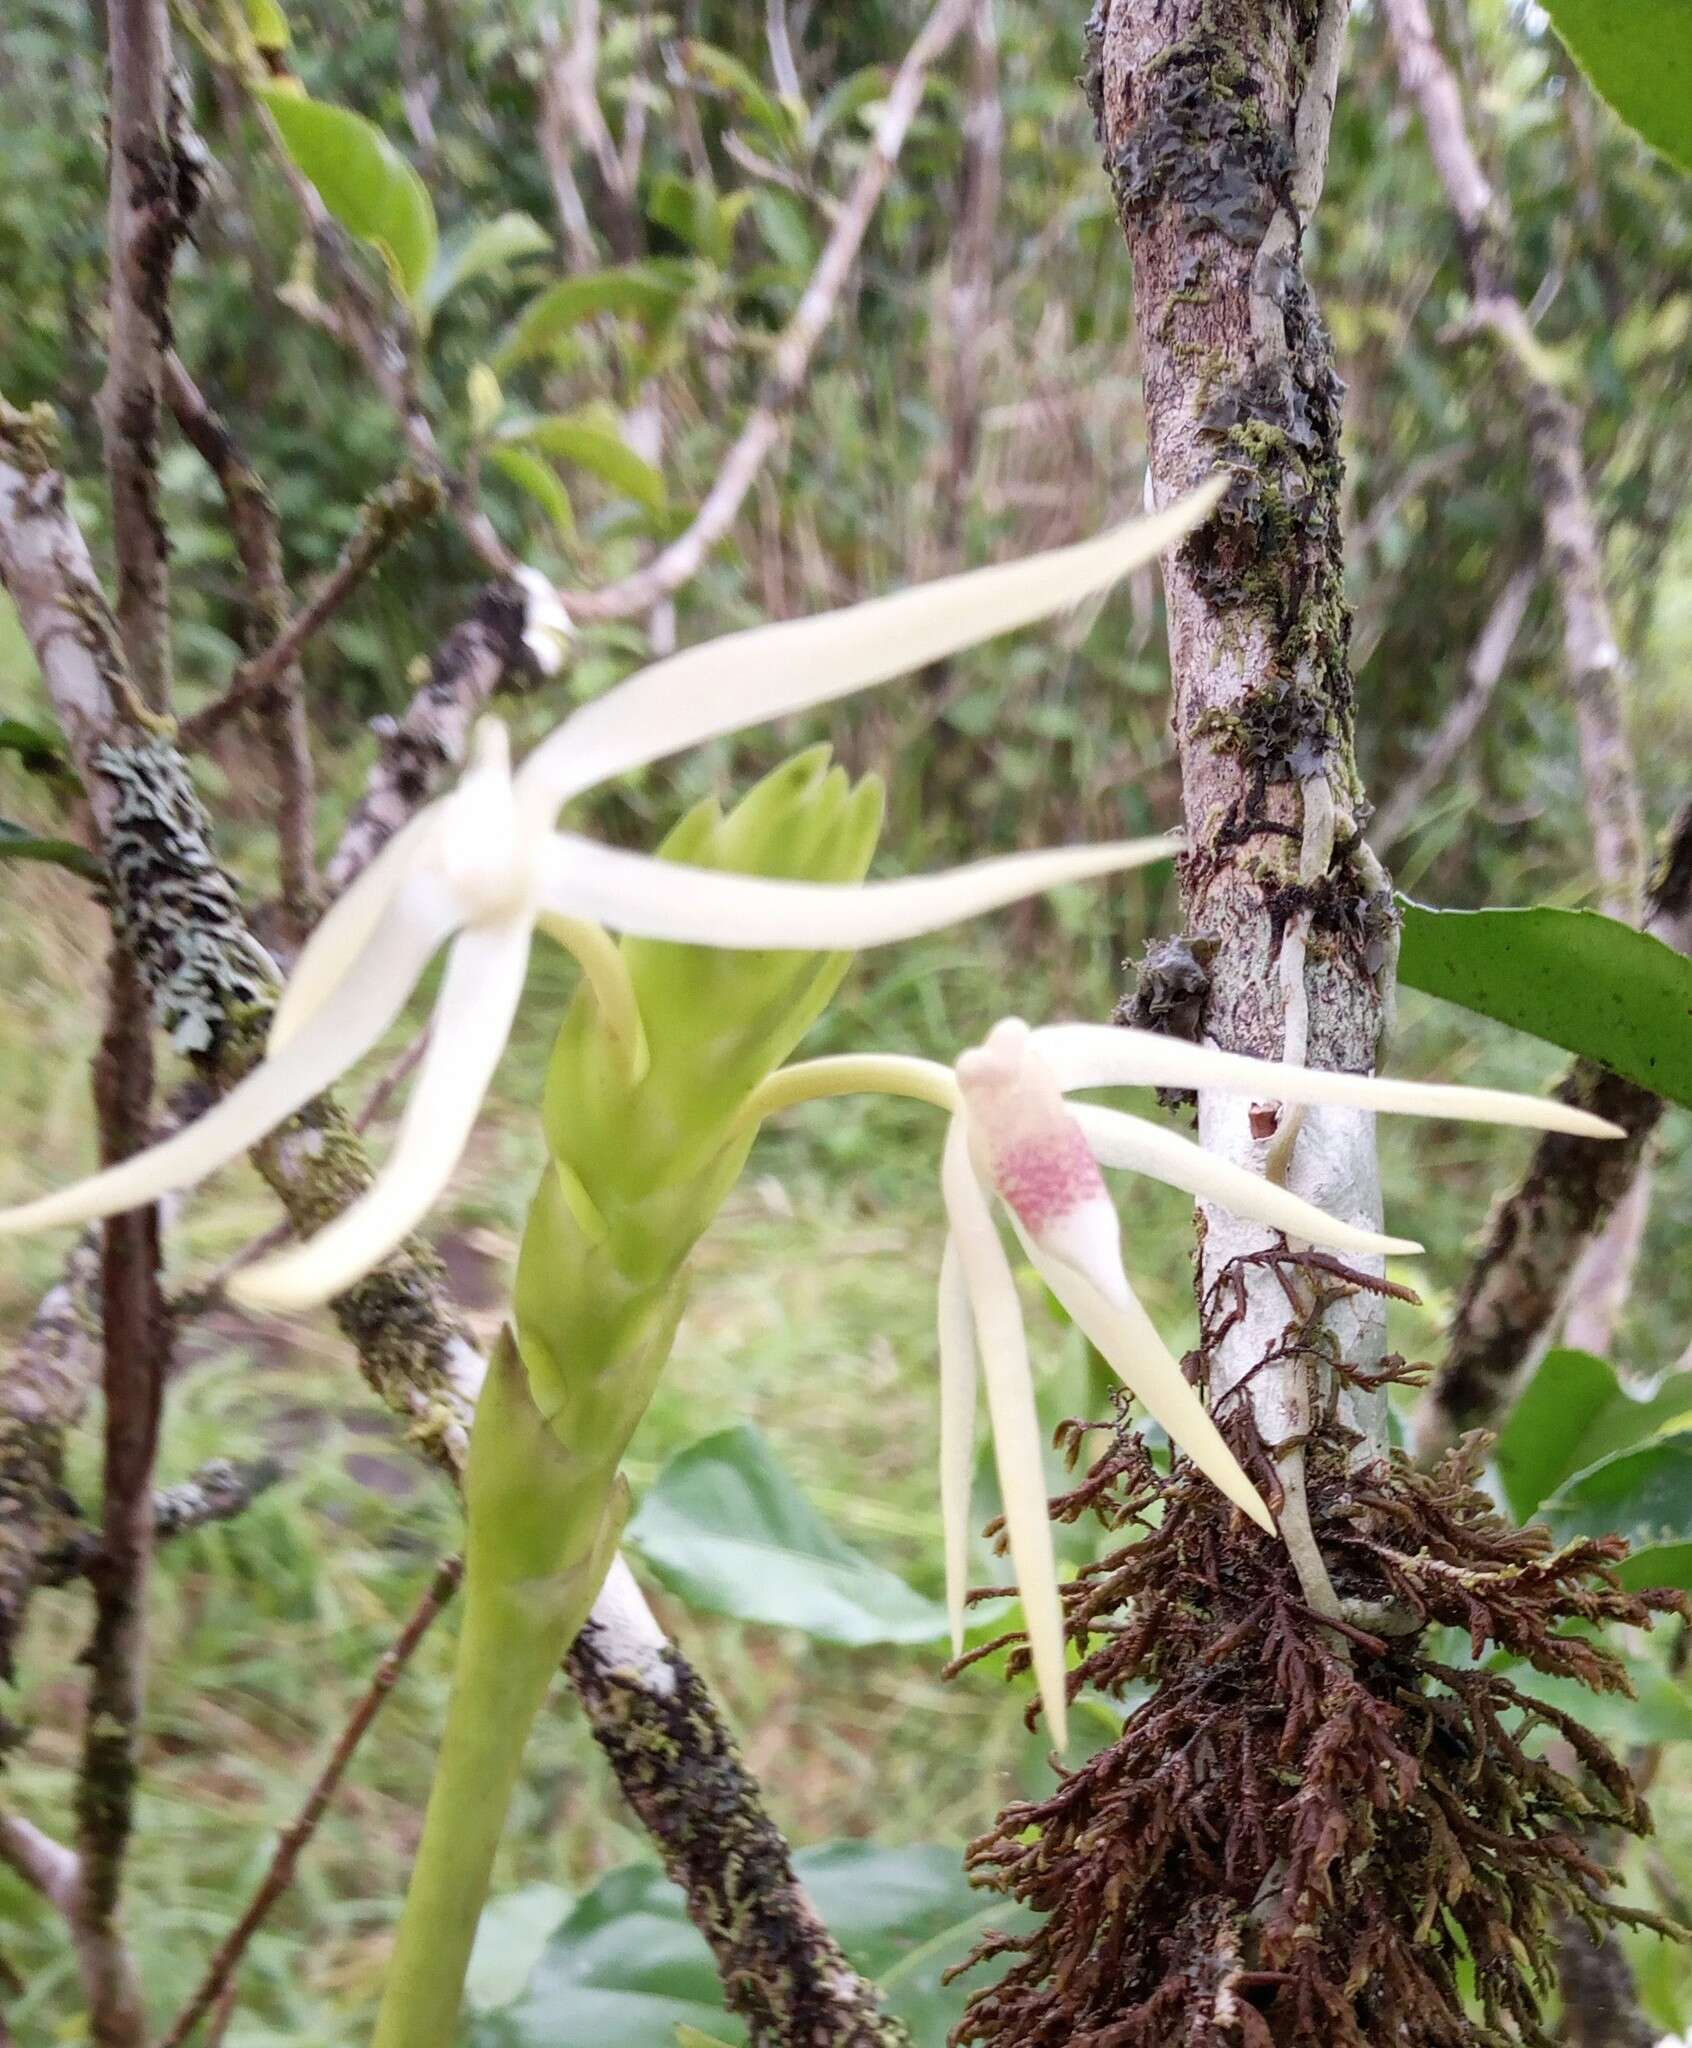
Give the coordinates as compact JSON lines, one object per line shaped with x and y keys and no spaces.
{"x":1555,"y":429}
{"x":291,"y":1844}
{"x":1488,"y":659}
{"x":678,"y":563}
{"x":383,"y":520}
{"x":153,"y":191}
{"x":258,"y":542}
{"x":137,"y":1345}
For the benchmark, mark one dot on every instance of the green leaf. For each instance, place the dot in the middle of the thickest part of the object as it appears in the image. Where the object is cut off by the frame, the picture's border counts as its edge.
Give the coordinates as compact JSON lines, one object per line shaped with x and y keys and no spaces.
{"x":1573,"y":1412}
{"x":1644,"y":1494}
{"x":592,"y":445}
{"x":649,"y":292}
{"x":512,"y":1932}
{"x":1580,"y":980}
{"x":729,"y":1531}
{"x":691,"y":2037}
{"x":268,"y":24}
{"x":364,"y":181}
{"x":478,"y":251}
{"x":532,"y":473}
{"x":861,"y":89}
{"x":689,"y":209}
{"x":1638,"y":55}
{"x":38,"y":750}
{"x":782,"y":120}
{"x":627,"y":1969}
{"x":18,"y":842}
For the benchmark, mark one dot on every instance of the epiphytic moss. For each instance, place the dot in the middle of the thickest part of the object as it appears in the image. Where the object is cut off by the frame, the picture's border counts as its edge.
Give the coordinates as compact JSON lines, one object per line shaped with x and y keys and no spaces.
{"x":1306,"y":1833}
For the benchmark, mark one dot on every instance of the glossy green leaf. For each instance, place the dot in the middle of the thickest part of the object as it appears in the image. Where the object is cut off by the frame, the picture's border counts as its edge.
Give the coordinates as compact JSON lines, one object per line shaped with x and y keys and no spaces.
{"x":648,"y":292}
{"x":534,"y":474}
{"x":479,"y":251}
{"x":627,"y":1969}
{"x":1580,"y":980}
{"x":1644,"y":1494}
{"x":1638,"y":55}
{"x":510,"y":1936}
{"x":364,"y":181}
{"x":18,"y":842}
{"x":590,"y":444}
{"x":730,"y":1532}
{"x":1573,"y":1412}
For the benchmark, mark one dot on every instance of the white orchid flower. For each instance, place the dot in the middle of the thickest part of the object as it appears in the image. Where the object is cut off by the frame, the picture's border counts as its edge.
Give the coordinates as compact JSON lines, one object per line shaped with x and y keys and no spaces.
{"x":483,"y":866}
{"x":1013,"y":1136}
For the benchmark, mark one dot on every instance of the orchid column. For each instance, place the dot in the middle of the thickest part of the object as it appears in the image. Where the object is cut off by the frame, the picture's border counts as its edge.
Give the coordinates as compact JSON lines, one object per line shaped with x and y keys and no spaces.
{"x":1198,"y":106}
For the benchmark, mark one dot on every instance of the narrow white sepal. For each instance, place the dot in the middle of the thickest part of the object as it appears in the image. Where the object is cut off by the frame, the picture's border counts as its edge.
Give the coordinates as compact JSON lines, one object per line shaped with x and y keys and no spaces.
{"x":958,"y":1369}
{"x":1110,"y":1056}
{"x":1128,"y":1340}
{"x":337,"y":947}
{"x":1017,"y":1445}
{"x":666,"y":899}
{"x":746,"y":678}
{"x":1121,"y":1140}
{"x":472,"y":1020}
{"x":343,"y":1029}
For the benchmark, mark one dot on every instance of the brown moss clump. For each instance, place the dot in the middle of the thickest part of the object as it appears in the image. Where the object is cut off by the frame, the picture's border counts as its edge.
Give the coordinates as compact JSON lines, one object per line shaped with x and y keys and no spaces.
{"x":1309,"y":1834}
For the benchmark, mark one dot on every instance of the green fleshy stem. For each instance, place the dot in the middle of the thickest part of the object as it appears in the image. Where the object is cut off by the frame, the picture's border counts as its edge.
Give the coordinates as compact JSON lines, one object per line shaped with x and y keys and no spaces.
{"x":532,"y":1574}
{"x":643,"y":1152}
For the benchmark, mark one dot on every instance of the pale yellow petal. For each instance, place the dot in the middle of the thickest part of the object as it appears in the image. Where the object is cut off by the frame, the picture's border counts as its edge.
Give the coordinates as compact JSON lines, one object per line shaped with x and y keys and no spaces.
{"x":958,"y":1369}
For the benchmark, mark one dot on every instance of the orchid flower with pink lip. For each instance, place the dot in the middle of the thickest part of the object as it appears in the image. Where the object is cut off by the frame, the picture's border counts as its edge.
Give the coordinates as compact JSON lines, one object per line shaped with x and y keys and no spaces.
{"x":1015,"y":1138}
{"x":481,"y":868}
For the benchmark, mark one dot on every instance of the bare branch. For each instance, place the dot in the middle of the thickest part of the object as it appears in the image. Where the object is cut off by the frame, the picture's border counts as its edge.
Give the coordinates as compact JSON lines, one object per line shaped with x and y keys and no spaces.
{"x":155,"y":175}
{"x":291,"y":1843}
{"x":1573,"y":549}
{"x":136,"y":1338}
{"x":258,"y":543}
{"x":417,"y":752}
{"x":42,"y":1397}
{"x":680,"y":561}
{"x":970,"y":293}
{"x":1488,"y":659}
{"x":383,"y":521}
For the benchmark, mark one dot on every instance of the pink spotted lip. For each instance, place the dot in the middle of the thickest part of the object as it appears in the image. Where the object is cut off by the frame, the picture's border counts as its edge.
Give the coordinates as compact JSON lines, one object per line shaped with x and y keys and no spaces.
{"x":1033,"y":1150}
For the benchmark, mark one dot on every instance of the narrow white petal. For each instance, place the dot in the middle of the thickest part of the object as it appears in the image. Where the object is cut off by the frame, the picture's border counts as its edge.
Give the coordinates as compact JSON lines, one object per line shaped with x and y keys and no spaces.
{"x":1118,"y":1139}
{"x":472,"y":1020}
{"x":1017,"y":1446}
{"x":343,"y":1028}
{"x":665,"y":899}
{"x":958,"y":1368}
{"x":1110,"y":1056}
{"x":1131,"y":1346}
{"x":336,"y":947}
{"x":749,"y":677}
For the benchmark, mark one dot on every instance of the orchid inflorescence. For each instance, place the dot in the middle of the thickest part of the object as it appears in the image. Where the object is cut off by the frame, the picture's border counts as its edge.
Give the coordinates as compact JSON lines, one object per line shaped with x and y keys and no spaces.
{"x":485,"y":866}
{"x":1014,"y":1136}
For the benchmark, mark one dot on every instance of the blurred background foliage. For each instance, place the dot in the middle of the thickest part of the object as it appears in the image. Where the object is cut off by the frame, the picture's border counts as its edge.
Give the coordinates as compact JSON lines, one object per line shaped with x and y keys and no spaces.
{"x":811,"y":1315}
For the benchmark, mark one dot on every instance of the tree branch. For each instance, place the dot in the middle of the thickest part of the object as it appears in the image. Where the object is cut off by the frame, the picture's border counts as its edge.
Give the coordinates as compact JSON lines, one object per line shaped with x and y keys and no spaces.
{"x":680,"y":561}
{"x":1573,"y":549}
{"x":155,"y":178}
{"x":1539,"y":1231}
{"x":258,"y":543}
{"x":1488,"y":659}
